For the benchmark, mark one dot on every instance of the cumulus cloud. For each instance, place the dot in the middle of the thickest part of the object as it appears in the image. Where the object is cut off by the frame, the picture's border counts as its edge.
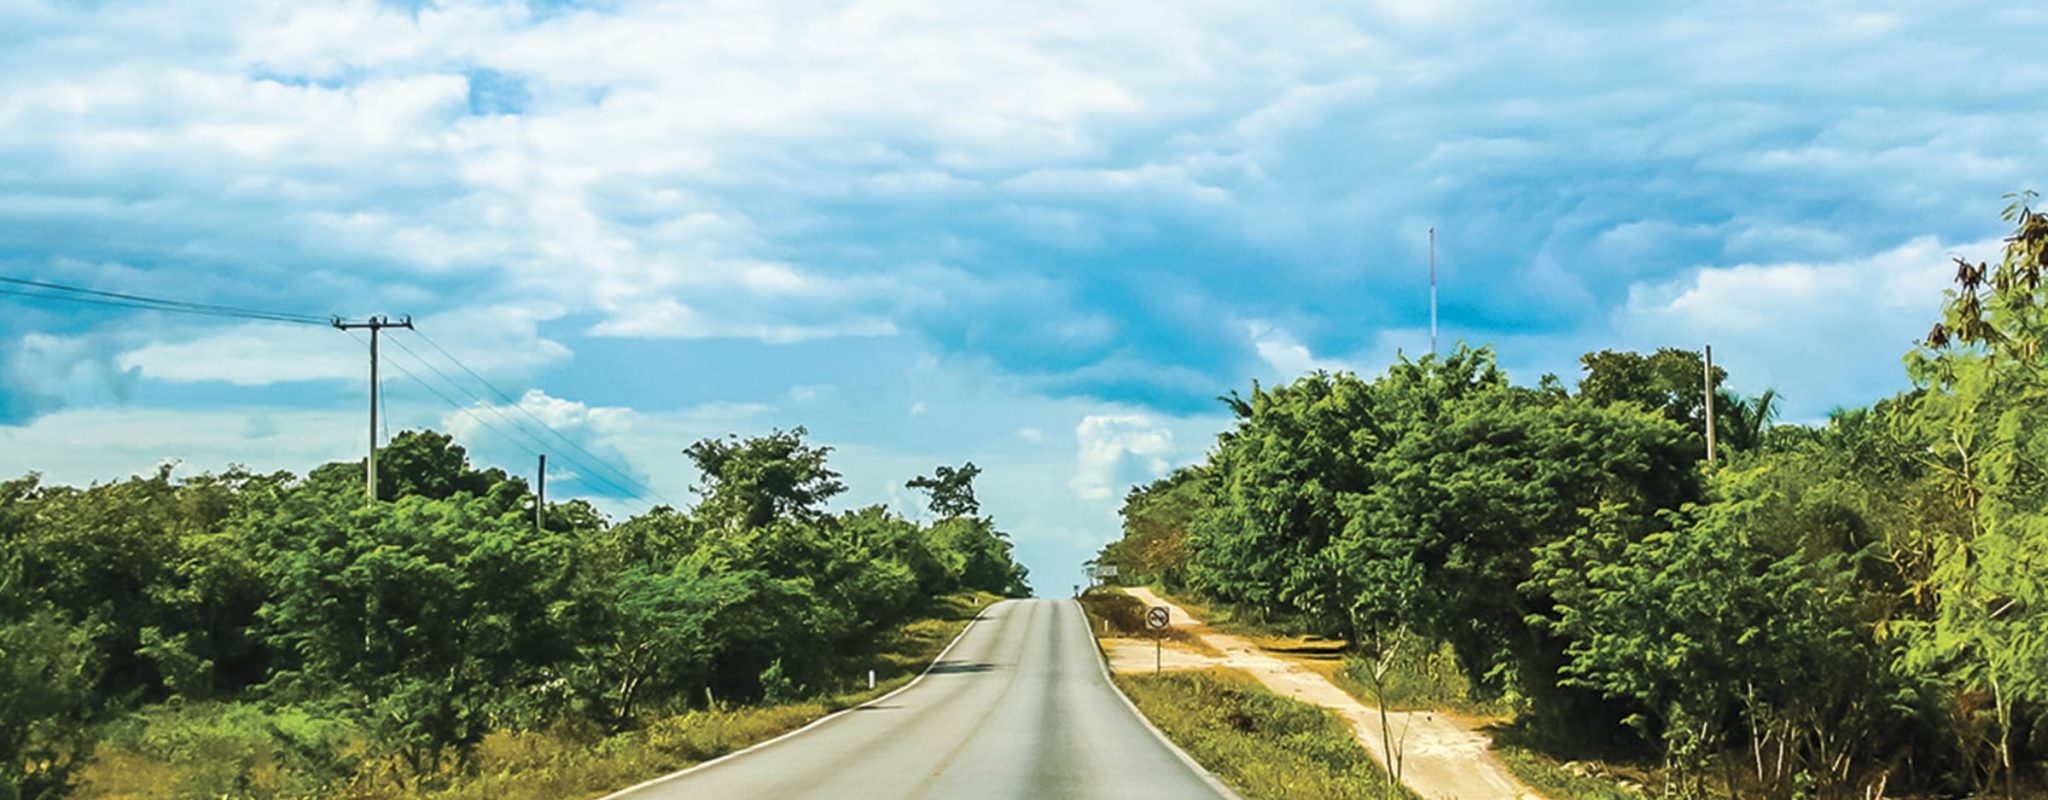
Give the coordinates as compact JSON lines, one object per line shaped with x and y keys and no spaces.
{"x":1286,"y":356}
{"x":85,"y":445}
{"x":1116,"y":450}
{"x":497,"y":341}
{"x":1117,"y":176}
{"x":42,"y":373}
{"x":1822,"y":334}
{"x":580,"y":440}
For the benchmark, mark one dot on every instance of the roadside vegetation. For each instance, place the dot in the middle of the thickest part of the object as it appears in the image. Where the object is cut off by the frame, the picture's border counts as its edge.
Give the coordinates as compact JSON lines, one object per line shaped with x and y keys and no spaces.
{"x":1263,"y":745}
{"x":252,"y":635}
{"x":1113,"y":613}
{"x":1851,"y":609}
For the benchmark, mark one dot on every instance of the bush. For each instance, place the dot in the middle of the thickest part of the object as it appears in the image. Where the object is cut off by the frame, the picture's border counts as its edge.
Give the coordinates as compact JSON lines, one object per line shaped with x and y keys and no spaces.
{"x":228,"y":750}
{"x":1126,"y":615}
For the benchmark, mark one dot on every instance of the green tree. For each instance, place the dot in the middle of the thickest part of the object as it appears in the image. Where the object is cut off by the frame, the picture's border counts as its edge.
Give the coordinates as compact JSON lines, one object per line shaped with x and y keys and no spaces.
{"x":1280,"y":474}
{"x":1668,"y":381}
{"x":1744,"y":424}
{"x":979,"y":555}
{"x":1985,"y":413}
{"x":421,"y":613}
{"x":47,"y":670}
{"x":1156,"y":521}
{"x":149,"y":566}
{"x":750,"y":483}
{"x":1447,"y":539}
{"x":1761,"y":608}
{"x":950,"y":491}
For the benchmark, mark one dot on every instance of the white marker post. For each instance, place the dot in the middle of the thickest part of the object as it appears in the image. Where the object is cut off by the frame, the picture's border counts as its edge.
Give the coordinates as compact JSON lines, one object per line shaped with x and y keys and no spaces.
{"x":871,"y":679}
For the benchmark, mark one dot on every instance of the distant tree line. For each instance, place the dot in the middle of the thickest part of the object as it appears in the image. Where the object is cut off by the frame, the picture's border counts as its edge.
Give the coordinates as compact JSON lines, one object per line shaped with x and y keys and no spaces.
{"x":1838,"y":610}
{"x":444,"y":612}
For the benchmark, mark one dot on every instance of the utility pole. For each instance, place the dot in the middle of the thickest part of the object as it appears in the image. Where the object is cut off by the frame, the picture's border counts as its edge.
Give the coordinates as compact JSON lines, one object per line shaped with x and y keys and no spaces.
{"x":1709,"y":353}
{"x":540,"y":496}
{"x":374,"y":325}
{"x":1432,"y":290}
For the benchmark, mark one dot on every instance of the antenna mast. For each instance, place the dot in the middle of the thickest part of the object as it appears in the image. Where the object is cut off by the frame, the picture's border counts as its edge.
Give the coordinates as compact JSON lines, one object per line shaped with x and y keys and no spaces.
{"x":1432,"y":290}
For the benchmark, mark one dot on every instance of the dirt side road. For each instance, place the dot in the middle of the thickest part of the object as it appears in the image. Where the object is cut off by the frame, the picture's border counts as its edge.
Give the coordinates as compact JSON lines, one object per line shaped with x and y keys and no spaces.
{"x":1441,"y":755}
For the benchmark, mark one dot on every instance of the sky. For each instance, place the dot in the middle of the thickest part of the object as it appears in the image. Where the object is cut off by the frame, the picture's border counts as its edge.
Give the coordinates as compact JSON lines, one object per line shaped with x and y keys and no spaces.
{"x":1043,"y":237}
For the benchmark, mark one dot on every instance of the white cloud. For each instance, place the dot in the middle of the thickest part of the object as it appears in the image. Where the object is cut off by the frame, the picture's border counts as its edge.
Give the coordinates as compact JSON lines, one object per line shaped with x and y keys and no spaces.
{"x":580,"y":440}
{"x":1810,"y":330}
{"x":41,"y":372}
{"x":668,"y":319}
{"x":83,"y":446}
{"x":254,"y":354}
{"x":1119,"y":449}
{"x":495,"y":342}
{"x":1286,"y":356}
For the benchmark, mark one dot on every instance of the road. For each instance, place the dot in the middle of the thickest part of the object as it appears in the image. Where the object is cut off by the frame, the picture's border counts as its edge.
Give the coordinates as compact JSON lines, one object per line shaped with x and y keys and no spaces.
{"x":1019,"y":707}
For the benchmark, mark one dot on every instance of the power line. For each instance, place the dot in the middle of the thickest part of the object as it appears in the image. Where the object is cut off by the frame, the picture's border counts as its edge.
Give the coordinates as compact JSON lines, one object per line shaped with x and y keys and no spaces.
{"x":465,"y":410}
{"x":642,"y":491}
{"x":79,"y":294}
{"x":631,"y":487}
{"x":29,"y":289}
{"x":521,"y":408}
{"x":62,"y":298}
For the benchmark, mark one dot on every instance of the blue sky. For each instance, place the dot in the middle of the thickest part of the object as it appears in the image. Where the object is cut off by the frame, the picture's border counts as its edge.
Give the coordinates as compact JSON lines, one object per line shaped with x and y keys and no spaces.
{"x":1043,"y":237}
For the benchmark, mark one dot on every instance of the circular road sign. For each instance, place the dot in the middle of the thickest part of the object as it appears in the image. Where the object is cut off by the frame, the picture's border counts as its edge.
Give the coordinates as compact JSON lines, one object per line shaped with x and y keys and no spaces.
{"x":1155,"y":618}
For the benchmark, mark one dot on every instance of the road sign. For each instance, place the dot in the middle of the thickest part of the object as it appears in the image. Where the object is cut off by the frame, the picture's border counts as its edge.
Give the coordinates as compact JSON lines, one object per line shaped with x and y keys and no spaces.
{"x":1156,"y":618}
{"x":1106,"y":571}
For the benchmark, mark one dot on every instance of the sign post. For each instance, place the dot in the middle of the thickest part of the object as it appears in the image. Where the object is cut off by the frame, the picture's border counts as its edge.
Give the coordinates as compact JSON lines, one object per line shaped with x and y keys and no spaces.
{"x":1156,"y":619}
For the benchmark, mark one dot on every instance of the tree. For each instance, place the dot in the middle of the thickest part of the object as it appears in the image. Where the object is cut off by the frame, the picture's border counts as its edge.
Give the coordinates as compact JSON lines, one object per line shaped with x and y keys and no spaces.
{"x":422,"y":613}
{"x":1984,"y":408}
{"x":950,"y":491}
{"x":979,"y":555}
{"x":750,"y":483}
{"x":658,"y":634}
{"x":1156,"y":520}
{"x":1279,"y":475}
{"x":1447,"y":538}
{"x":1668,"y":381}
{"x":149,"y":567}
{"x":47,"y":671}
{"x":1762,"y":606}
{"x":1744,"y":423}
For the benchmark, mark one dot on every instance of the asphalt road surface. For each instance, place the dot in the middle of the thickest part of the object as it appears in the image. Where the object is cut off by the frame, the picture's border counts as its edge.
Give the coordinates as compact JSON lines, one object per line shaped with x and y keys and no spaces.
{"x":1018,"y":708}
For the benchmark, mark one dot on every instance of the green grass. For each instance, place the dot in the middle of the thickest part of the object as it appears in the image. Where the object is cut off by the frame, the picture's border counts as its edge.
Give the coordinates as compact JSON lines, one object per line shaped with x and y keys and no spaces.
{"x":243,"y":750}
{"x":1262,"y":744}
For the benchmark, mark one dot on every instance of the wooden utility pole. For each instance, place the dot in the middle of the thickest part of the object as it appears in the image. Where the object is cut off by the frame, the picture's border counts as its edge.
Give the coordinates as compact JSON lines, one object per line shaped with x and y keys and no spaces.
{"x":540,"y":496}
{"x":1708,"y":350}
{"x":375,"y":325}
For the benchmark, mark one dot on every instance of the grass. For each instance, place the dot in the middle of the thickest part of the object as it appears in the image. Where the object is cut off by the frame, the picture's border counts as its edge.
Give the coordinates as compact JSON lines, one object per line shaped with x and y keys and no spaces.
{"x":1572,"y":780}
{"x":243,"y":750}
{"x":1262,"y":744}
